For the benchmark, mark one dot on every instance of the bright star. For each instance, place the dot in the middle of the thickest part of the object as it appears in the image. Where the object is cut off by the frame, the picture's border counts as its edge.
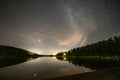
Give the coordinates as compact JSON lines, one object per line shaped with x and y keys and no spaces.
{"x":39,"y":40}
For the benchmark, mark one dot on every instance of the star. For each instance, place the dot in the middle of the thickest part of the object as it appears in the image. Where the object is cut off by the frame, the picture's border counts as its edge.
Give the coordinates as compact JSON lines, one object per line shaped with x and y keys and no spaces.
{"x":39,"y":40}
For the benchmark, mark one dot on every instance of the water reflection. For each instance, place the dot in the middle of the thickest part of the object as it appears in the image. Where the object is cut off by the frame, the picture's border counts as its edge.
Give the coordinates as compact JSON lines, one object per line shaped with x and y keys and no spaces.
{"x":48,"y":67}
{"x":92,"y":63}
{"x":40,"y":68}
{"x":87,"y":62}
{"x":8,"y":61}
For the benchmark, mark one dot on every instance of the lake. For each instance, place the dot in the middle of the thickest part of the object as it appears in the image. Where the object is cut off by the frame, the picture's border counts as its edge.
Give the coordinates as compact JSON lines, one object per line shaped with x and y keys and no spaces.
{"x":50,"y":67}
{"x":41,"y":68}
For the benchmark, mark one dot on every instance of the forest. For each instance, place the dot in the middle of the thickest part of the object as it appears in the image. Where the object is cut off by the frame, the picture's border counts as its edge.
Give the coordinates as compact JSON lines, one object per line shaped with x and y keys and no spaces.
{"x":109,"y":47}
{"x":9,"y":51}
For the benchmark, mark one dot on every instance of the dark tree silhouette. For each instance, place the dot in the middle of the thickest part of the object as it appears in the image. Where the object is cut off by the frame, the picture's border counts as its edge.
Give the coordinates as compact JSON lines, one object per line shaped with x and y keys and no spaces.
{"x":109,"y":47}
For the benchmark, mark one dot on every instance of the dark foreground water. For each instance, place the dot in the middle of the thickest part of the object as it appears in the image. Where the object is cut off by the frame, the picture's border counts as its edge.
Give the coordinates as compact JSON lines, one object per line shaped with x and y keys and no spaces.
{"x":12,"y":68}
{"x":41,"y":68}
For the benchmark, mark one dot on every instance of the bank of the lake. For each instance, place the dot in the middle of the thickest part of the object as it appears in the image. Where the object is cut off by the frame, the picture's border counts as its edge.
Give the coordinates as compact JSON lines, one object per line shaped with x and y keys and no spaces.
{"x":107,"y":74}
{"x":106,"y":67}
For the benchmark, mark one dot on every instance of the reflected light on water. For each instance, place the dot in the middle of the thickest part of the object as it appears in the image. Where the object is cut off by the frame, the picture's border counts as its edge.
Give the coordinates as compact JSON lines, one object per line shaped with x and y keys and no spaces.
{"x":29,"y":59}
{"x":64,"y":58}
{"x":40,"y":68}
{"x":35,"y":75}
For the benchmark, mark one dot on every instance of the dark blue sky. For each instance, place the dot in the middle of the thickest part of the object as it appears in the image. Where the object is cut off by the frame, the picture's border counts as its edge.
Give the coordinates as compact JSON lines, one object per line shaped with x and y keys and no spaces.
{"x":51,"y":26}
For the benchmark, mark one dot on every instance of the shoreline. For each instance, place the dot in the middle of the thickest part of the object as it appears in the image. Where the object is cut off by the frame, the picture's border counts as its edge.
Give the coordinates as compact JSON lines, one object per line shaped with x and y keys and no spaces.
{"x":106,"y":74}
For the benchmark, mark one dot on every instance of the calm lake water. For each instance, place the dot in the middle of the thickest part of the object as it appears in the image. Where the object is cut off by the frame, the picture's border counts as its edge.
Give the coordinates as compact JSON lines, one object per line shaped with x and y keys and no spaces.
{"x":41,"y":68}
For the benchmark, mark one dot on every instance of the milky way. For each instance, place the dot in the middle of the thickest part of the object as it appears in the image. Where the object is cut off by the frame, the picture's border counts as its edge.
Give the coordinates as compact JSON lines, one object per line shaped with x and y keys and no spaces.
{"x":51,"y":26}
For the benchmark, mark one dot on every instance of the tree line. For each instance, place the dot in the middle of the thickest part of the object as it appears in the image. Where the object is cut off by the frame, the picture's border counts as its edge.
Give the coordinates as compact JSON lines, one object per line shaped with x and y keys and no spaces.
{"x":9,"y":51}
{"x":109,"y":47}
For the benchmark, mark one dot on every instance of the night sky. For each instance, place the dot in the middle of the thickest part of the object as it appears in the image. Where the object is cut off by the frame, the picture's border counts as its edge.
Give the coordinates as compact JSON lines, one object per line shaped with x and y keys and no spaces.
{"x":51,"y":26}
